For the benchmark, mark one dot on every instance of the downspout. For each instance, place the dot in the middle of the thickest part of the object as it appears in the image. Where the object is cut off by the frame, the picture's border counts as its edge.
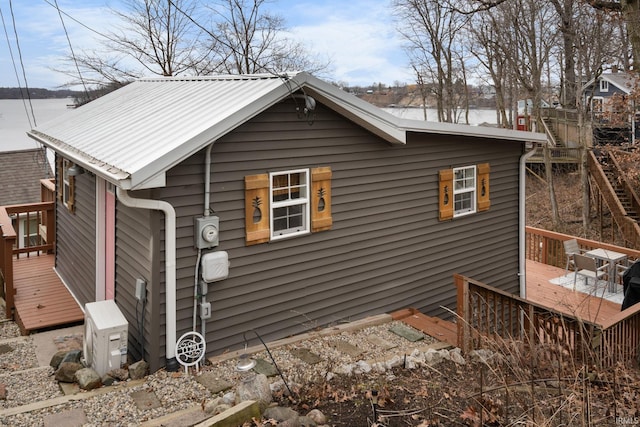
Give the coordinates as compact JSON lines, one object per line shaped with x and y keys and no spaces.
{"x":523,"y":220}
{"x":170,"y":267}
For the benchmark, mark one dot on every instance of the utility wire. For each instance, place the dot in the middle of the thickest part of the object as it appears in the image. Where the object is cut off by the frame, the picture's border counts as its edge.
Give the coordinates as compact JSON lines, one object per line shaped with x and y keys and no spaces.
{"x":15,"y":69}
{"x":73,"y":55}
{"x":24,"y":74}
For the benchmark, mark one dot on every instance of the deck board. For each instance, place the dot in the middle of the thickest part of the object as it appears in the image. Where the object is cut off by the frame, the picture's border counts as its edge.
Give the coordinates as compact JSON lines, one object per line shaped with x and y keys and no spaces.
{"x":41,"y":300}
{"x":567,"y":301}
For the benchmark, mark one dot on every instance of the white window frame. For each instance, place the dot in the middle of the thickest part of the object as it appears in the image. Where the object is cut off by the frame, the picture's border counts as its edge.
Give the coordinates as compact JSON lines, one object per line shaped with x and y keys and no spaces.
{"x":604,"y":85}
{"x":465,"y":187}
{"x":303,"y":201}
{"x":66,"y":182}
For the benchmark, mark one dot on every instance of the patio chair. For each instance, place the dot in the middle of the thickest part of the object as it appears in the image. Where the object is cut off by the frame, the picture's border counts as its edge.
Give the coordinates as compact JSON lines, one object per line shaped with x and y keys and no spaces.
{"x":571,"y":247}
{"x":588,"y":268}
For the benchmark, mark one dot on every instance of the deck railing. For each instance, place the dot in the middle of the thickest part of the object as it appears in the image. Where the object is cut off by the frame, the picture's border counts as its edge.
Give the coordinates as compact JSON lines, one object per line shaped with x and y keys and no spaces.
{"x":547,"y":247}
{"x":489,"y":317}
{"x":25,"y":230}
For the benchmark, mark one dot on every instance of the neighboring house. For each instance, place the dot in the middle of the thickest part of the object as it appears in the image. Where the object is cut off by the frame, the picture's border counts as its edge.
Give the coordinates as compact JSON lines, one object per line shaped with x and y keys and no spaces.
{"x":604,"y":96}
{"x":20,"y":175}
{"x":311,"y":207}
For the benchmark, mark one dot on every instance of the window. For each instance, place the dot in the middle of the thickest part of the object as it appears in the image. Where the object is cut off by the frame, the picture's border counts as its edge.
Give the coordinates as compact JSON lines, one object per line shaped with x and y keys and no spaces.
{"x":464,"y":190}
{"x":289,"y":203}
{"x":66,"y":187}
{"x":604,"y":86}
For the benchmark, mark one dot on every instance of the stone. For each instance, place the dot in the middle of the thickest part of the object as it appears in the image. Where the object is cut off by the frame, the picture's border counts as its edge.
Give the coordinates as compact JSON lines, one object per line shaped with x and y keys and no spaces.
{"x":380,"y":342}
{"x":307,"y":422}
{"x":256,"y":387}
{"x":286,"y":417}
{"x":407,"y":333}
{"x":119,"y":374}
{"x":456,"y":356}
{"x":145,"y":400}
{"x":107,"y":380}
{"x":5,"y":348}
{"x":88,"y":379}
{"x":212,"y":383}
{"x":306,"y":355}
{"x":347,"y":348}
{"x":138,"y":370}
{"x":56,"y":359}
{"x":317,"y":416}
{"x":265,"y":368}
{"x":70,"y":418}
{"x":66,"y":372}
{"x":3,"y":391}
{"x":73,"y":356}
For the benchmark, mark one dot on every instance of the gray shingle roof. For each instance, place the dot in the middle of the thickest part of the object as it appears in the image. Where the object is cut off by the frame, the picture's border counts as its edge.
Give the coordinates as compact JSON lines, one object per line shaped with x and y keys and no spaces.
{"x":20,"y":175}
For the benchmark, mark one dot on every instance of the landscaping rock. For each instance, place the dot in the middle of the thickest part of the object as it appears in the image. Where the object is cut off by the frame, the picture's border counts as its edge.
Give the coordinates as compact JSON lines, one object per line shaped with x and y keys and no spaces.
{"x":119,"y":374}
{"x":138,"y":370}
{"x":286,"y":417}
{"x":66,"y":372}
{"x":56,"y":359}
{"x":306,"y":422}
{"x":317,"y":416}
{"x":73,"y":356}
{"x":88,"y":379}
{"x":255,"y":387}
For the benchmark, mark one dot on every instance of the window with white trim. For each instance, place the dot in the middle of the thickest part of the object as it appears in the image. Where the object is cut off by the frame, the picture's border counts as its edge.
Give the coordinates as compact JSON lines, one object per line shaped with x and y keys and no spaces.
{"x":289,"y":194}
{"x":464,"y":190}
{"x":604,"y":86}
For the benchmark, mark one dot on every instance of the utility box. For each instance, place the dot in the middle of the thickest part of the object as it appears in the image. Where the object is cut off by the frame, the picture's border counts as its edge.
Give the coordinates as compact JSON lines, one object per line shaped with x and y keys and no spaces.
{"x":206,"y":230}
{"x":105,"y":336}
{"x":215,"y":266}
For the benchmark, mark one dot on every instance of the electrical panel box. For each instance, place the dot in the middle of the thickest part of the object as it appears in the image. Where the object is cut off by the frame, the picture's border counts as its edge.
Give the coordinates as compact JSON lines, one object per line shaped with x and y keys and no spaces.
{"x":215,"y":266}
{"x":105,"y":336}
{"x":206,"y":232}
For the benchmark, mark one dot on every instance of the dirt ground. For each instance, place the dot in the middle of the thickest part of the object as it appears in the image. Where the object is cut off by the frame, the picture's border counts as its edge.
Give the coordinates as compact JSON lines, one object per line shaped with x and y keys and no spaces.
{"x":507,"y":391}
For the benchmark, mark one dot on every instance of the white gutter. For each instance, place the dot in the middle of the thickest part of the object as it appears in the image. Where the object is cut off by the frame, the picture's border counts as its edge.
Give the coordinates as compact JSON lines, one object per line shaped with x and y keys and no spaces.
{"x":170,"y":266}
{"x":523,"y":222}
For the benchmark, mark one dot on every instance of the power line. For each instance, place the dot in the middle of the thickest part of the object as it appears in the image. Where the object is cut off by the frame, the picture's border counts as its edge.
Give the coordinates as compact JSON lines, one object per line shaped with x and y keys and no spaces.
{"x":73,"y":55}
{"x":24,"y":74}
{"x":15,"y":69}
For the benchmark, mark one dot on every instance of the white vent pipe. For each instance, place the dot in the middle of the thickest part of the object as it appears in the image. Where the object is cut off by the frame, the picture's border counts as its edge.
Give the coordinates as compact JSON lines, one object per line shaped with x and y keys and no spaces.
{"x":170,"y":266}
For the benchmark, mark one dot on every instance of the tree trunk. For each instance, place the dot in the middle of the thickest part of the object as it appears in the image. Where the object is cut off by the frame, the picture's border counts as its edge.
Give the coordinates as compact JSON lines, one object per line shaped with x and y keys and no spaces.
{"x":555,"y":216}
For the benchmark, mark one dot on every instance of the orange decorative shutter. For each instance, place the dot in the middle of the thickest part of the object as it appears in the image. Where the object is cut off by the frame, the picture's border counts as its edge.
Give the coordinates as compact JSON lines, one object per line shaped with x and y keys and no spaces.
{"x":446,"y":194}
{"x":256,"y":208}
{"x":321,"y":199}
{"x":483,"y":187}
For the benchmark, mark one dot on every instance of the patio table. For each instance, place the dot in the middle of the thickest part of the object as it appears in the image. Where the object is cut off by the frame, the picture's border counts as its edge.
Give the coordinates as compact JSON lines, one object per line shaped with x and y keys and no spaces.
{"x":613,"y":258}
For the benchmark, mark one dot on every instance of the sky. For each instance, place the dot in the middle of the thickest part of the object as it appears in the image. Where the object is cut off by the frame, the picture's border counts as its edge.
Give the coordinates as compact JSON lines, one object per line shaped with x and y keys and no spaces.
{"x":358,"y":37}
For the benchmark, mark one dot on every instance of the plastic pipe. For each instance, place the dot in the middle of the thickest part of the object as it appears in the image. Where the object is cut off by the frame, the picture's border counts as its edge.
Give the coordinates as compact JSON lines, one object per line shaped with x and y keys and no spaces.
{"x":523,"y":221}
{"x":170,"y":266}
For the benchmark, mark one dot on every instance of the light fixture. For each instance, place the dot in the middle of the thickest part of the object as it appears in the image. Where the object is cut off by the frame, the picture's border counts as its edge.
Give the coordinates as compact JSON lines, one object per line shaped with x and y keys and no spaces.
{"x":245,"y":363}
{"x":75,"y":170}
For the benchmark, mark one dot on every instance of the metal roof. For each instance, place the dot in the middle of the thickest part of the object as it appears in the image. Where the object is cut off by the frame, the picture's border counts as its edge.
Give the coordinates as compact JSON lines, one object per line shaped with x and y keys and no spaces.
{"x":133,"y":135}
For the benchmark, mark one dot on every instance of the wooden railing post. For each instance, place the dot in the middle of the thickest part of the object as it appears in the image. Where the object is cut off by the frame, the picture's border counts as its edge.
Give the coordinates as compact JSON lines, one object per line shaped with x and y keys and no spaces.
{"x":7,"y":240}
{"x":463,"y":312}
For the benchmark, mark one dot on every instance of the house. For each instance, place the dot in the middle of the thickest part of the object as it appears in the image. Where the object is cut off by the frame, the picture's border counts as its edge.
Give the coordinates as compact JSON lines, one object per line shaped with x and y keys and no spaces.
{"x":20,"y":175}
{"x":606,"y":97}
{"x":275,"y":203}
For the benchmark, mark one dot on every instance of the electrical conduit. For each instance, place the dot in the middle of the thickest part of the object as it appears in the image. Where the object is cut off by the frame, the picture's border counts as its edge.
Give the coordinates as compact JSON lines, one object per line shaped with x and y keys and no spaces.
{"x":170,"y":266}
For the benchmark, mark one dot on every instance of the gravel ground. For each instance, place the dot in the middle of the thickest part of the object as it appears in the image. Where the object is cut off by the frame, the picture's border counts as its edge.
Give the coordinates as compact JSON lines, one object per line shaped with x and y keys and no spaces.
{"x":26,"y":383}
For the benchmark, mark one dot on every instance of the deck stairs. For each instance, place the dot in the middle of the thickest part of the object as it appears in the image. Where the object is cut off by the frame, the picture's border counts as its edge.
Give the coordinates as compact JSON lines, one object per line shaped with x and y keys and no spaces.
{"x":559,"y":152}
{"x":618,"y":194}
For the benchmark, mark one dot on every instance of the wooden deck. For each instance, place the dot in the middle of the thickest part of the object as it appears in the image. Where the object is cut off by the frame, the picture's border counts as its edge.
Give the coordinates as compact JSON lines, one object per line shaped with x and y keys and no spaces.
{"x":584,"y":306}
{"x":539,"y":290}
{"x":41,"y":299}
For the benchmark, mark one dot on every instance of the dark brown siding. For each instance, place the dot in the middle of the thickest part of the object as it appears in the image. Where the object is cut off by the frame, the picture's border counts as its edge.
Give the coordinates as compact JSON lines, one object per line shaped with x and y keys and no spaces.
{"x":76,"y":240}
{"x":386,"y":250}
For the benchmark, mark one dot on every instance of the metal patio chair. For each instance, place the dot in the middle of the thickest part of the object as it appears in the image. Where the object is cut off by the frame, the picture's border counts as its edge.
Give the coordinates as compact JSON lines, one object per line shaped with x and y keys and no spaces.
{"x":588,"y":268}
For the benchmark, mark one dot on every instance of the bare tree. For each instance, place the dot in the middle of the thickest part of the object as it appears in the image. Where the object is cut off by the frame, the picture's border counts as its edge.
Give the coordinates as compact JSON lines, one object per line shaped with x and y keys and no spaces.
{"x":248,"y":39}
{"x":630,"y":11}
{"x":157,"y":37}
{"x":433,"y":32}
